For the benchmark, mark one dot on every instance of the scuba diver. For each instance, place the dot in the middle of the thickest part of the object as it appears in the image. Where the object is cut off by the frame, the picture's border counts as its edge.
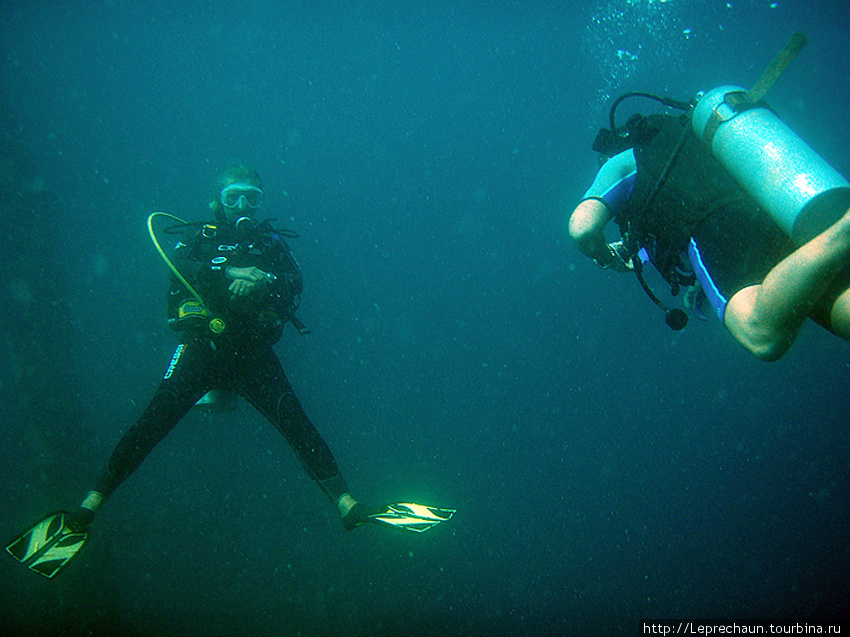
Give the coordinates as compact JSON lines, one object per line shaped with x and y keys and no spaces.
{"x":730,"y":207}
{"x":233,"y":287}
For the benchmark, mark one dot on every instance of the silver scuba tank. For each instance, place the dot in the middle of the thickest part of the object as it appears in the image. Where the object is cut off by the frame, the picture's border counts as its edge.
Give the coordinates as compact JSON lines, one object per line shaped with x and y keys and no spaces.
{"x":217,"y":401}
{"x":802,"y":193}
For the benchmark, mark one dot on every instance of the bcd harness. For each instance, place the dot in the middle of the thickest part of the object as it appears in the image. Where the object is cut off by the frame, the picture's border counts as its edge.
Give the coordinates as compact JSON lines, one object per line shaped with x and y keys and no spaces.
{"x":688,"y":179}
{"x":191,"y":308}
{"x":678,"y":185}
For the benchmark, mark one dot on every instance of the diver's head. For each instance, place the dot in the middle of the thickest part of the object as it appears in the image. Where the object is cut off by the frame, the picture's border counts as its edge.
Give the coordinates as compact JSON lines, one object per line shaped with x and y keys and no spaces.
{"x":240,"y":194}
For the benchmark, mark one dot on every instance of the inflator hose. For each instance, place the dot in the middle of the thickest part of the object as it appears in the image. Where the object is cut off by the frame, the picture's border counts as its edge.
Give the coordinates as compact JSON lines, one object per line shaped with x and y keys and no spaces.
{"x":164,"y":256}
{"x":665,"y":101}
{"x":675,"y":318}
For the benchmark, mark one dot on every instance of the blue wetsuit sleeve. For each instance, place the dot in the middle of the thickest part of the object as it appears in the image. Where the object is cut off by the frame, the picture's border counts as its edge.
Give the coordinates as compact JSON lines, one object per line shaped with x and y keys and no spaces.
{"x":615,"y":181}
{"x":715,"y":297}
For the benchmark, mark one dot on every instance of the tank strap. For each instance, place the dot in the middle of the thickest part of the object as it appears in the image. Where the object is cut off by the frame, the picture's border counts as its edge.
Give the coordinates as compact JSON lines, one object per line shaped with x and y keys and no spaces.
{"x":736,"y":102}
{"x":776,"y":67}
{"x":740,"y":101}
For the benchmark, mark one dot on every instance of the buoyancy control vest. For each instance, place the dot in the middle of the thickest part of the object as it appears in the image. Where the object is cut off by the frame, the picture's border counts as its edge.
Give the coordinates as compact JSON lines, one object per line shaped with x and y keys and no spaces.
{"x":205,"y":260}
{"x":662,"y":217}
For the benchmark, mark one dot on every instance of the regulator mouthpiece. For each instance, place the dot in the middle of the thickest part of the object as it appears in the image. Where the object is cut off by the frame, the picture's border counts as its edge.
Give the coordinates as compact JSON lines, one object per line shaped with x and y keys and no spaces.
{"x":244,"y":224}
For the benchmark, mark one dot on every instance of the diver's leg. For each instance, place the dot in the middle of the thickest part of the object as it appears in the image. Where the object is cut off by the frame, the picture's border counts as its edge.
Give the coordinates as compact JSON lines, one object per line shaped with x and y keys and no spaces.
{"x":840,"y":316}
{"x":766,"y":318}
{"x":263,"y":383}
{"x":184,"y":383}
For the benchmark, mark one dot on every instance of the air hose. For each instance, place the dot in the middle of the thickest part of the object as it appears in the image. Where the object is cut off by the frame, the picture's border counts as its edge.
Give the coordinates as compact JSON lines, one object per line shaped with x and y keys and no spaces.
{"x":215,"y":400}
{"x":164,"y":256}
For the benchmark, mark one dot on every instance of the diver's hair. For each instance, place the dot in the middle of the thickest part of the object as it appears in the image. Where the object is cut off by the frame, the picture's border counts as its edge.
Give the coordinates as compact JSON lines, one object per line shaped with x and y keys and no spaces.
{"x":237,"y":173}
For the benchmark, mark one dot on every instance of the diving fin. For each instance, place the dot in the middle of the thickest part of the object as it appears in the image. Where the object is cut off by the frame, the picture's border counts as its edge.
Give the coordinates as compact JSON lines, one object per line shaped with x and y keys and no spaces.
{"x":48,"y":545}
{"x":411,"y":517}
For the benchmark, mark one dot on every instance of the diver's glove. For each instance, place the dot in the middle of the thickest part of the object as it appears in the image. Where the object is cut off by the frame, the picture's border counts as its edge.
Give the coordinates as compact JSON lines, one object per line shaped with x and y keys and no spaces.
{"x":619,"y":261}
{"x":358,"y":515}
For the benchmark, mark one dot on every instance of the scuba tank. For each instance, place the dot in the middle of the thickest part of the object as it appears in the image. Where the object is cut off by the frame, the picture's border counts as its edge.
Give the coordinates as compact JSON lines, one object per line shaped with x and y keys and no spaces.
{"x":788,"y":179}
{"x":217,"y":401}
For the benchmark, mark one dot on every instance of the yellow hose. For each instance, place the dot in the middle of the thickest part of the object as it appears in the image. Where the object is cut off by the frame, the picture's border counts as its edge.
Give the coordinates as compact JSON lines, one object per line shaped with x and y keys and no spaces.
{"x":165,"y":256}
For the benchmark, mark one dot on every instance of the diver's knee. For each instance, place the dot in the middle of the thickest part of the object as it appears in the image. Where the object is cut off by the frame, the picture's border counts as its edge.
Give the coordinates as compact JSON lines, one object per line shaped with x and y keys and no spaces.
{"x":769,"y":352}
{"x":762,"y":341}
{"x":288,"y":406}
{"x":840,"y":316}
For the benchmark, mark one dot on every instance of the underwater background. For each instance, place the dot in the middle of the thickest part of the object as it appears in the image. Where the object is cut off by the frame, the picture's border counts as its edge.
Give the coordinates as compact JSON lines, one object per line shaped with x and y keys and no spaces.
{"x":605,"y":469}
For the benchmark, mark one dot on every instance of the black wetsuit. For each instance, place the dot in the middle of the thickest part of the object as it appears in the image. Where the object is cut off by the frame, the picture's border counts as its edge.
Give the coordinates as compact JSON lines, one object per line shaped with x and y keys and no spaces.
{"x":238,"y":358}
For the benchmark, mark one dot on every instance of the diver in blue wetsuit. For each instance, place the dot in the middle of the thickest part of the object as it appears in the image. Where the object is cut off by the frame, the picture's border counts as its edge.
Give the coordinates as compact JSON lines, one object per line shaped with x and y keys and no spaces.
{"x":678,"y":208}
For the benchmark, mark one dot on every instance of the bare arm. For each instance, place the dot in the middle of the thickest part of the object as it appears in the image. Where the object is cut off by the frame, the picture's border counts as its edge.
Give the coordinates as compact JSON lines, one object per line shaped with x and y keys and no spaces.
{"x":587,"y":229}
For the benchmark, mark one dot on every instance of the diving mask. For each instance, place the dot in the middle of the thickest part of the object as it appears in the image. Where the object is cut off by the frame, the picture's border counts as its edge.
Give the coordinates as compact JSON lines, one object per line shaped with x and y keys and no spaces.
{"x":241,"y":196}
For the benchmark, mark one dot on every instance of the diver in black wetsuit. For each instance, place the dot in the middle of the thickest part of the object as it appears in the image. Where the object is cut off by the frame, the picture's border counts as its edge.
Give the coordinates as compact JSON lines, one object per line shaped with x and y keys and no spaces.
{"x":234,"y":286}
{"x":243,"y":285}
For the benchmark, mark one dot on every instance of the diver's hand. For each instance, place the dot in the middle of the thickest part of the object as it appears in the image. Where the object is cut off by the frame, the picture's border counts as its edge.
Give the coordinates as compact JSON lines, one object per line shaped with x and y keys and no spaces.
{"x":619,"y":261}
{"x":247,"y":280}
